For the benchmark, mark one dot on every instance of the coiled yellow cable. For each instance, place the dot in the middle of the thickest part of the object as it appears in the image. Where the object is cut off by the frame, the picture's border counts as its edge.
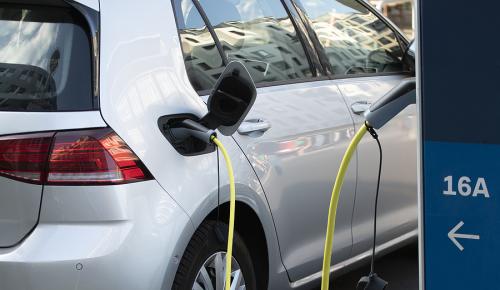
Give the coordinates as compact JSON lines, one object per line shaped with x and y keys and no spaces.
{"x":232,"y":208}
{"x":332,"y":211}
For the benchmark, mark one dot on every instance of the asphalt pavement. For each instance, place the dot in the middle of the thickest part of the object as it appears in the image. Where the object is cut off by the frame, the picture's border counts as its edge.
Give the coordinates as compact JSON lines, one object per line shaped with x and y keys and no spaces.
{"x":399,"y":268}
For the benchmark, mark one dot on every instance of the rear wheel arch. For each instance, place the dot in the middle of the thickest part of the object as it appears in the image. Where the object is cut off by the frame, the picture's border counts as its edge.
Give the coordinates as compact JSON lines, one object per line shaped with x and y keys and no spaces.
{"x":249,"y":226}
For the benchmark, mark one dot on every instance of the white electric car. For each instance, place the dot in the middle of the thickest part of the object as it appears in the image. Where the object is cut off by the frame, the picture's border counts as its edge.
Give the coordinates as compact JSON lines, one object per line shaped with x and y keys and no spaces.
{"x":93,"y":193}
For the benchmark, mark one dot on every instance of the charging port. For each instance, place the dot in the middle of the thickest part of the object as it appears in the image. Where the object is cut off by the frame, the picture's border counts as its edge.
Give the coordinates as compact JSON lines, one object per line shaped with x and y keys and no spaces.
{"x":188,"y":137}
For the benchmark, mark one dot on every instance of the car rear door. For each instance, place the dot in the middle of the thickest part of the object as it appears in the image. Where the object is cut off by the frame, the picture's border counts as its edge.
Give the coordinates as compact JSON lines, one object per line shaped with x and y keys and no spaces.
{"x":297,"y":130}
{"x":45,"y":86}
{"x":296,"y":160}
{"x":365,"y":58}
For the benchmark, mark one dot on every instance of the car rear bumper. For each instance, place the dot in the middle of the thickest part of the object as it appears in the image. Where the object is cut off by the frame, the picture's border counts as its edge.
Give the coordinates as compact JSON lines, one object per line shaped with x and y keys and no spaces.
{"x":116,"y":237}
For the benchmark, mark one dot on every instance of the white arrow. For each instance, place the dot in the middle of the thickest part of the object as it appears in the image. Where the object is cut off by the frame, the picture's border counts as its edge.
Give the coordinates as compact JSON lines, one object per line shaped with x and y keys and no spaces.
{"x":454,"y":236}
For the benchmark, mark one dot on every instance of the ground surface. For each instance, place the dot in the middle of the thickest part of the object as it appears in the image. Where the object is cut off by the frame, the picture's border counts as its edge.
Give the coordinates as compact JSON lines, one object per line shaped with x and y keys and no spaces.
{"x":400,"y":269}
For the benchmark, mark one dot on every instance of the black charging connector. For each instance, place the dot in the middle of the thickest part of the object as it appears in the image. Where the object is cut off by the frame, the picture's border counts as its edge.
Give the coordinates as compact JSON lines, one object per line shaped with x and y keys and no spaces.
{"x":187,"y":134}
{"x":372,"y":131}
{"x":189,"y":128}
{"x":373,"y":281}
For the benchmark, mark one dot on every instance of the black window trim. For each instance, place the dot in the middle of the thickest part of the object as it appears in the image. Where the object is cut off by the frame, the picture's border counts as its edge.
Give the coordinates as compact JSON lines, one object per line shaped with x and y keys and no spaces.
{"x":211,"y":30}
{"x":277,"y":83}
{"x":93,"y":19}
{"x":300,"y":34}
{"x":318,"y":79}
{"x":308,"y":43}
{"x":316,"y":45}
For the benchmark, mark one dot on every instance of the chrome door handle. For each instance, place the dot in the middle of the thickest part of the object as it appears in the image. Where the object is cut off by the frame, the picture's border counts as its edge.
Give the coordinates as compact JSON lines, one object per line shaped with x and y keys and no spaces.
{"x":359,"y":108}
{"x":254,"y":126}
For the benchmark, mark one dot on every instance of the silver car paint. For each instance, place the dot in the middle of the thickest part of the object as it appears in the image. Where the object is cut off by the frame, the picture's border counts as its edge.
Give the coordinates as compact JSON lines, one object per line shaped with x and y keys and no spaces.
{"x":19,"y":205}
{"x":397,"y":214}
{"x":249,"y":191}
{"x":296,"y":161}
{"x":20,"y":202}
{"x":23,"y":122}
{"x":132,"y":236}
{"x":102,"y":237}
{"x":155,"y":84}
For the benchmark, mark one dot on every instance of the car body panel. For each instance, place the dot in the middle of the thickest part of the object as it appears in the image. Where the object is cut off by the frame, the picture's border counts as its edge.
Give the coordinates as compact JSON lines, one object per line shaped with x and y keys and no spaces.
{"x":135,"y":94}
{"x":250,"y":192}
{"x":111,"y":237}
{"x":19,"y":201}
{"x":19,"y":206}
{"x":397,"y":213}
{"x":28,"y":122}
{"x":296,"y":161}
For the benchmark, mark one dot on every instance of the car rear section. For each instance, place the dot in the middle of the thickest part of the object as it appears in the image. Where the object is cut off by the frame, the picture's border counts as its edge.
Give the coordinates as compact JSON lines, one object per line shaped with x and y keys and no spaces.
{"x":45,"y":71}
{"x":78,"y":207}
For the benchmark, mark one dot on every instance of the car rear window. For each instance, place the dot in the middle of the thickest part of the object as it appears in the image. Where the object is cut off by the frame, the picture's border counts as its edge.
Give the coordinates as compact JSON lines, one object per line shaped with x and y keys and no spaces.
{"x":45,"y":59}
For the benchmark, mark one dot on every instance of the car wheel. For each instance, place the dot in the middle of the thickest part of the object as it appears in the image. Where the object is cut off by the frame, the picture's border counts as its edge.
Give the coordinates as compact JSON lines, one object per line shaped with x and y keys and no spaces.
{"x":203,"y":265}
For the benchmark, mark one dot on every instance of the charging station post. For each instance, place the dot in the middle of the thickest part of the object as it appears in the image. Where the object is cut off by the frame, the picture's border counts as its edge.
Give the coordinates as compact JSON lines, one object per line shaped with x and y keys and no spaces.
{"x":460,"y":146}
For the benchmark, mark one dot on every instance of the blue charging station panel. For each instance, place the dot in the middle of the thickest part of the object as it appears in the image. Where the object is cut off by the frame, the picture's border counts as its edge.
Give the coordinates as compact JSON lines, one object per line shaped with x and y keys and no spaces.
{"x":460,"y":111}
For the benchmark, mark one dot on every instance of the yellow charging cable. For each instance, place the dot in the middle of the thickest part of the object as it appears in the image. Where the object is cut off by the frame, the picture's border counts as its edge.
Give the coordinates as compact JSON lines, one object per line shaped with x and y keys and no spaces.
{"x":232,"y":208}
{"x":334,"y":202}
{"x":332,"y":212}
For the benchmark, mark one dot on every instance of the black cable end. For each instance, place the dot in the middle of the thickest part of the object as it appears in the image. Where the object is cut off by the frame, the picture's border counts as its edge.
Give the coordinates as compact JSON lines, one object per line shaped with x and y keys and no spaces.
{"x":372,"y":282}
{"x":372,"y":131}
{"x":213,"y":136}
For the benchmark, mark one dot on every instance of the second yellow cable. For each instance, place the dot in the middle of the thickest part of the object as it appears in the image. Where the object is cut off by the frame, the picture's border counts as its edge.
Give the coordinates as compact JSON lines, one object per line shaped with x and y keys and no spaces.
{"x":334,"y":202}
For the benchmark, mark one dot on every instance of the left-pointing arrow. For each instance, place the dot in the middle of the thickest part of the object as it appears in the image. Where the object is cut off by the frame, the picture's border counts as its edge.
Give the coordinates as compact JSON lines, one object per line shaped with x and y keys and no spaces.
{"x":453,"y":236}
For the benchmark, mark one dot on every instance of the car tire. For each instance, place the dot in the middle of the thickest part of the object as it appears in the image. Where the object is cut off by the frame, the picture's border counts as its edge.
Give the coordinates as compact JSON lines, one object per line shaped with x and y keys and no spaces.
{"x":208,"y":245}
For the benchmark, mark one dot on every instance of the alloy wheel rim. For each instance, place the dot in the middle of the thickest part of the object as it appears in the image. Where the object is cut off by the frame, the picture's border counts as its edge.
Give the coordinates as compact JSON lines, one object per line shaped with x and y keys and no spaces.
{"x":211,"y":275}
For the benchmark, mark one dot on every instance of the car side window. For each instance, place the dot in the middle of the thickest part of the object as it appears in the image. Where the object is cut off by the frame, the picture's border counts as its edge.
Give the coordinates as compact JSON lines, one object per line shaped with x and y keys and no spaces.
{"x":258,"y":33}
{"x":354,"y":39}
{"x":203,"y":62}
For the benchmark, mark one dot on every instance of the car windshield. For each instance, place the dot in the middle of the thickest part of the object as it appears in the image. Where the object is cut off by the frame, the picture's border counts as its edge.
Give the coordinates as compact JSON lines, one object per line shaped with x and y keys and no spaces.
{"x":45,"y":60}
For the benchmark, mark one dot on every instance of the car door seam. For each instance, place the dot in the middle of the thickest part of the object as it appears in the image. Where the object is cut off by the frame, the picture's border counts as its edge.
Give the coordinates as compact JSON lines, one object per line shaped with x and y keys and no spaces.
{"x":357,"y":170}
{"x":268,"y":205}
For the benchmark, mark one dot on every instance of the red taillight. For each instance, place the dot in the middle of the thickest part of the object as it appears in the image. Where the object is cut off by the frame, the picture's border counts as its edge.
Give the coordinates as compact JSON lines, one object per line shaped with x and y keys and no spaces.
{"x":90,"y":157}
{"x":24,"y":157}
